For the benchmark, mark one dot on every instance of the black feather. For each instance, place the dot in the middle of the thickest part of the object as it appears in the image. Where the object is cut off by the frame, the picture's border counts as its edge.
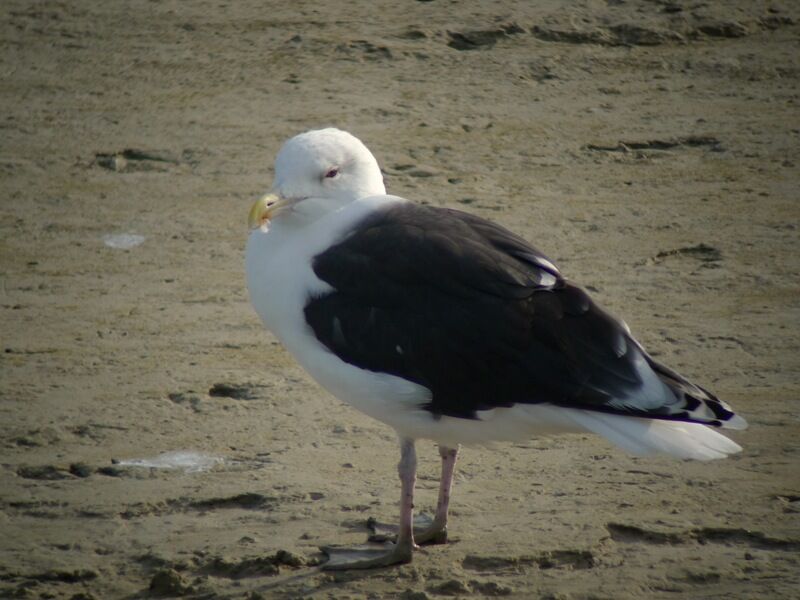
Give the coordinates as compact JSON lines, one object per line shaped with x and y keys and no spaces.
{"x":482,"y":319}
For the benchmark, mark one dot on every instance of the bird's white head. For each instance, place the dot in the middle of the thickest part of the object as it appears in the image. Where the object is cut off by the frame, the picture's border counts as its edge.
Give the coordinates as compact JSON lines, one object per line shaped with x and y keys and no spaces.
{"x":318,"y":172}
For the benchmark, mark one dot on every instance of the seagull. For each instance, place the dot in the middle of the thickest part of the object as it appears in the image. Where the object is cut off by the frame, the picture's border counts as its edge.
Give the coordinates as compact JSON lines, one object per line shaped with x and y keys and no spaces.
{"x":449,"y":327}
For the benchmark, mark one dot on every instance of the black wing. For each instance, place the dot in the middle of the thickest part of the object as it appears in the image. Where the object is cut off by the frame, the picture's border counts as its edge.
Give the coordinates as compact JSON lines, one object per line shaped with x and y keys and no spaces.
{"x":481,"y":318}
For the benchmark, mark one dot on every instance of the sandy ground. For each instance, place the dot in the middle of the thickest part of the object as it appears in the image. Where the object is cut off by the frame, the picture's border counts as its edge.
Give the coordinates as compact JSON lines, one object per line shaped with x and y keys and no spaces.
{"x":650,"y":148}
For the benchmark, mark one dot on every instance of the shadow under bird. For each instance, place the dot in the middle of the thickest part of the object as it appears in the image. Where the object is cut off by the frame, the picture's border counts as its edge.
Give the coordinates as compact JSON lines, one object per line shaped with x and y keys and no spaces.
{"x":448,"y":327}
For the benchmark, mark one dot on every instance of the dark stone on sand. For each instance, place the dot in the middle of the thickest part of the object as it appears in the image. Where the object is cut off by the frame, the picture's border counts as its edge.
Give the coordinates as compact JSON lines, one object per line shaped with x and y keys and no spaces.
{"x":80,"y":469}
{"x":421,"y":172}
{"x":414,"y":34}
{"x":723,"y":29}
{"x":485,"y":38}
{"x":221,"y":566}
{"x":152,"y":560}
{"x":290,"y":559}
{"x":151,"y":155}
{"x":702,"y":252}
{"x":690,"y":141}
{"x":112,"y":162}
{"x":634,"y":35}
{"x":168,"y":582}
{"x":114,"y":471}
{"x":773,"y":22}
{"x":490,"y":588}
{"x":248,"y":500}
{"x":488,"y":563}
{"x":232,"y":390}
{"x":570,"y":36}
{"x":623,"y":34}
{"x":76,"y":576}
{"x":132,"y":159}
{"x":702,"y":577}
{"x":43,"y":472}
{"x":25,"y":441}
{"x":621,"y":532}
{"x":366,"y":49}
{"x":551,"y":559}
{"x":574,"y":559}
{"x":755,"y":539}
{"x":414,"y":595}
{"x":190,"y":399}
{"x":451,"y":587}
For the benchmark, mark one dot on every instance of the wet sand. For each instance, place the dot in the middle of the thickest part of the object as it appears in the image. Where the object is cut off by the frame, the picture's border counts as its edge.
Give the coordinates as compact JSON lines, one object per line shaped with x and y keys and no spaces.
{"x":650,"y":148}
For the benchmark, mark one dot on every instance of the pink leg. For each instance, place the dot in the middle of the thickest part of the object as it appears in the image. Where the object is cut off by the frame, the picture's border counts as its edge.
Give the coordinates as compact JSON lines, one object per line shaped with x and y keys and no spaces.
{"x":407,"y":469}
{"x":368,"y":558}
{"x":436,"y":533}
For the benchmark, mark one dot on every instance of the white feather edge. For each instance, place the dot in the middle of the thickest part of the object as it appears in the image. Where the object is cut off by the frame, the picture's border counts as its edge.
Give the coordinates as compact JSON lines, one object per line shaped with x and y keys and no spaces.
{"x":644,"y":437}
{"x":638,"y":436}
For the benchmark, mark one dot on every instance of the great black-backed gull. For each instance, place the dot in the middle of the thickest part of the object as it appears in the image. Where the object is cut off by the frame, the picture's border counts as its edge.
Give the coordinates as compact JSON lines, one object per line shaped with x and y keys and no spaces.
{"x":448,"y":327}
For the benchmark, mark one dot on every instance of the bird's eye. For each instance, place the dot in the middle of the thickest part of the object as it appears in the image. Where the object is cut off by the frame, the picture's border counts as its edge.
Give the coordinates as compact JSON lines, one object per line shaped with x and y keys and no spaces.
{"x":332,"y":173}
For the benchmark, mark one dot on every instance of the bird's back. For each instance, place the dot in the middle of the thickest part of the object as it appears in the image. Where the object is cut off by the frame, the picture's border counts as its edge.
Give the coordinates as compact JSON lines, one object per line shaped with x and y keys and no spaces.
{"x":484,"y":320}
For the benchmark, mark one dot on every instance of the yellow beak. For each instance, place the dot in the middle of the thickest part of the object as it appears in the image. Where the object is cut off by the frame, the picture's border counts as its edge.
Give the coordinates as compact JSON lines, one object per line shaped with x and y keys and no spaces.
{"x":263,"y":210}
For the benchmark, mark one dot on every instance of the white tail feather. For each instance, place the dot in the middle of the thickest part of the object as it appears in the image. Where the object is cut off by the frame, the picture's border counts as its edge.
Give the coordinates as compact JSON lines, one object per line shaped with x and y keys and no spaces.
{"x":652,"y":436}
{"x":636,"y":435}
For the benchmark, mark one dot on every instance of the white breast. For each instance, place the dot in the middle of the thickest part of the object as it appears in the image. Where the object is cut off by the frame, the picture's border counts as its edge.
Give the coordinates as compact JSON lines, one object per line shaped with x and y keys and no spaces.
{"x":278,"y":259}
{"x":280,"y":280}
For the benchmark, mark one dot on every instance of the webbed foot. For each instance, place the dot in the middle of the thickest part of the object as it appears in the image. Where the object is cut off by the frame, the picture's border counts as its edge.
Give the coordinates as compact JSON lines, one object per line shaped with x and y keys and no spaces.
{"x":367,"y":556}
{"x":426,"y":531}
